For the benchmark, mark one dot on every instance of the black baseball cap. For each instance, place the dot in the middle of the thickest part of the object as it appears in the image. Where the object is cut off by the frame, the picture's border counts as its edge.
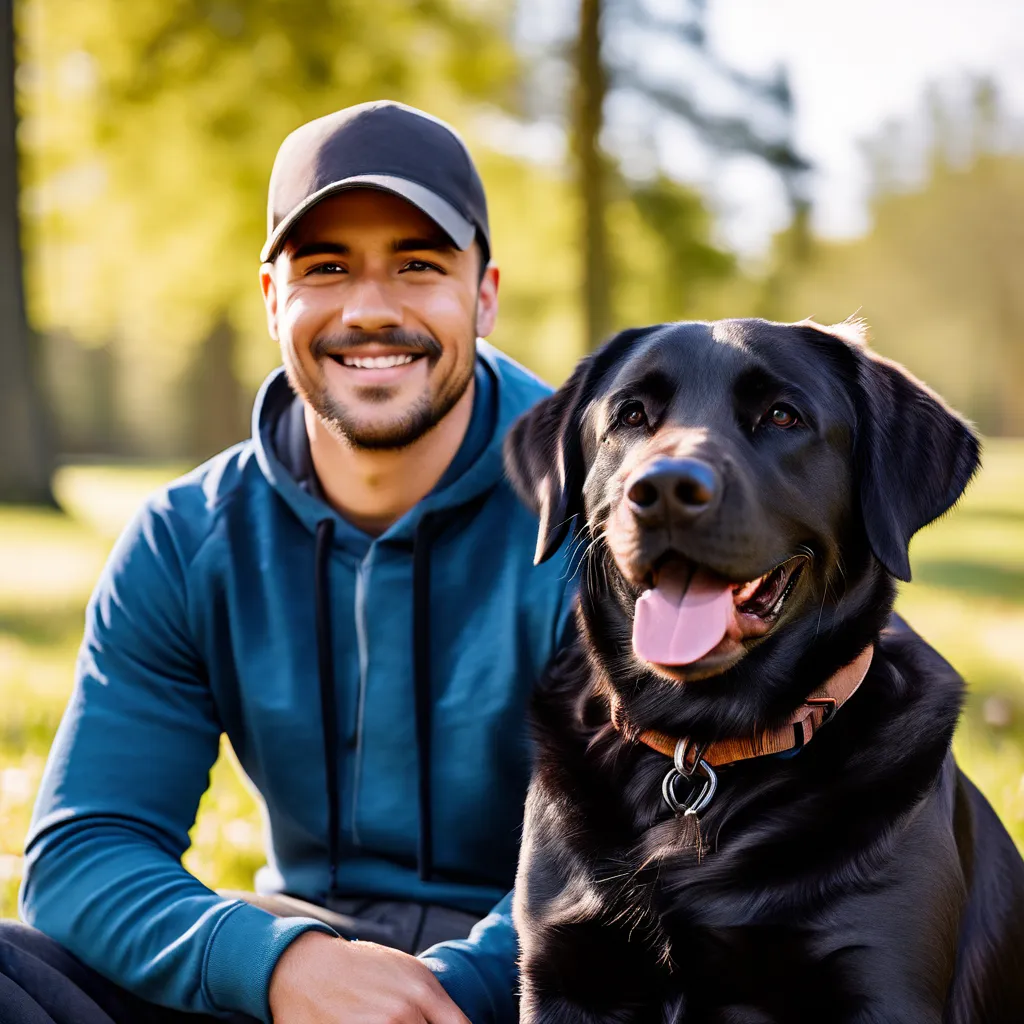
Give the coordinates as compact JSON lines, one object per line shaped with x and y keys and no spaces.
{"x":383,"y":145}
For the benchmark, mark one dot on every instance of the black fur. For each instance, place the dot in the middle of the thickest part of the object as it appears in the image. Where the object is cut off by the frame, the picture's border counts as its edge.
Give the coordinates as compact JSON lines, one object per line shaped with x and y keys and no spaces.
{"x":864,"y":879}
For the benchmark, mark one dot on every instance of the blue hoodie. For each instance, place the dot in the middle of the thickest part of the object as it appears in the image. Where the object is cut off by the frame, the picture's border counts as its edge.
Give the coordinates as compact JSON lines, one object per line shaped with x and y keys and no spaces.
{"x":374,"y":691}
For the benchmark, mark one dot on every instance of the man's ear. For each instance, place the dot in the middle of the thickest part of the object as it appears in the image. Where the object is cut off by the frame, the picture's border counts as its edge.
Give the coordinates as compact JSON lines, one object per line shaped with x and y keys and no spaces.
{"x":269,"y":288}
{"x":544,"y":461}
{"x":487,"y":301}
{"x":914,"y":458}
{"x":543,"y":452}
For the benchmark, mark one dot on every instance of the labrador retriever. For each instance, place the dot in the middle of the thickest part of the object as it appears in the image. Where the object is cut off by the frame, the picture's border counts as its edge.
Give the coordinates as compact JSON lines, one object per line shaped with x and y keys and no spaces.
{"x":744,"y":808}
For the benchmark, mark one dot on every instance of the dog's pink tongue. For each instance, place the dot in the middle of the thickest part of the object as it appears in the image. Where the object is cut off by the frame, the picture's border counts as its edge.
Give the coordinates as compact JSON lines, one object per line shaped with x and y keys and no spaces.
{"x":678,"y":622}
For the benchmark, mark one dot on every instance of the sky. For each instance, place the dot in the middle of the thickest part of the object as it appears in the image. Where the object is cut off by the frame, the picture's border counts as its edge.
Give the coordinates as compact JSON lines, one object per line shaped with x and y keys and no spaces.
{"x":852,"y":67}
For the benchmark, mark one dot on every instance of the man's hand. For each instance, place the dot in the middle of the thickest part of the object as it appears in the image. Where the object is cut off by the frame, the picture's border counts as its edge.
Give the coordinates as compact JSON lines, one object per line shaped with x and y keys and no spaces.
{"x":323,"y":980}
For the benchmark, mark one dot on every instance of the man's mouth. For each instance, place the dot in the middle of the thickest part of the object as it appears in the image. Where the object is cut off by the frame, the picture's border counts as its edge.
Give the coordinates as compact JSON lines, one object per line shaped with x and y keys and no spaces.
{"x":377,"y":362}
{"x":375,"y":366}
{"x":687,"y":611}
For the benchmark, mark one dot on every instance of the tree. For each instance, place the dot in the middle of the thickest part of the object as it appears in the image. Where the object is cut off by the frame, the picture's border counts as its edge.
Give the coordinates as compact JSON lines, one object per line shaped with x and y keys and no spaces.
{"x":26,"y":461}
{"x":598,"y":73}
{"x":150,"y":149}
{"x":589,"y":96}
{"x":938,"y":276}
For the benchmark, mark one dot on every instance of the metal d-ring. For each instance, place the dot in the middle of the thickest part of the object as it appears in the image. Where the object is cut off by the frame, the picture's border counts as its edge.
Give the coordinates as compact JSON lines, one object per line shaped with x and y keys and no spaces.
{"x":682,"y":768}
{"x":687,"y":756}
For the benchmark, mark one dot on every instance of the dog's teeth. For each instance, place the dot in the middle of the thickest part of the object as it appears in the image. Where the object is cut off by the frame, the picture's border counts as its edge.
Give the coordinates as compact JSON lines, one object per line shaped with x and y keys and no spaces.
{"x":747,"y":590}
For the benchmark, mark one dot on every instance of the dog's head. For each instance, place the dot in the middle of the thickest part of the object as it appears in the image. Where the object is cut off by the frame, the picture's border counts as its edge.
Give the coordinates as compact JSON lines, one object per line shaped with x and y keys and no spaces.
{"x":744,"y":492}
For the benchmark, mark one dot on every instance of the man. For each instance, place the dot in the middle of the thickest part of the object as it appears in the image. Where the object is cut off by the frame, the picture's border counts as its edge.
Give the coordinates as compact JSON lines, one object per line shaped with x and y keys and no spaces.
{"x":350,"y":597}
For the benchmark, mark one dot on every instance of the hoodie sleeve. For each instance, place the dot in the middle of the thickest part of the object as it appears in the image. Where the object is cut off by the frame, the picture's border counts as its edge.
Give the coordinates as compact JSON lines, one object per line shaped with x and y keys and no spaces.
{"x":481,"y":972}
{"x":121,"y":788}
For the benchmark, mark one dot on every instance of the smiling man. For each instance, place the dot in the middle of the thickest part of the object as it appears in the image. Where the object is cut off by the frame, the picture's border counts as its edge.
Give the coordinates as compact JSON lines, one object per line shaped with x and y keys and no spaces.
{"x":350,"y":597}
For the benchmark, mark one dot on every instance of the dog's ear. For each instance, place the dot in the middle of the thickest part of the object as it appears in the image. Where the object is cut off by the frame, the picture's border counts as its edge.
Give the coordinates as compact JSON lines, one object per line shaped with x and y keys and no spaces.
{"x":544,"y":461}
{"x":543,"y":452}
{"x":914,"y":458}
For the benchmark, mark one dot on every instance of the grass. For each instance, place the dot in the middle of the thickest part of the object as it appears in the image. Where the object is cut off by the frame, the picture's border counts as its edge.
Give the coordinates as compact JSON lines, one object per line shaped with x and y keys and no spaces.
{"x":49,"y":561}
{"x":967,"y":599}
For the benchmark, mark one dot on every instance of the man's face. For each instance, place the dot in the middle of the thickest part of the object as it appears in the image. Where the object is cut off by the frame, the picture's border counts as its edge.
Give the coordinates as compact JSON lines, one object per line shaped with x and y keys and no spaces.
{"x":377,"y":315}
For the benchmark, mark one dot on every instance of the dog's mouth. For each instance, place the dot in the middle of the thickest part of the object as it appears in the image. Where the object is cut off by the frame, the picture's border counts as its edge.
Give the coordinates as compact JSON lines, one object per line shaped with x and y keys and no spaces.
{"x":687,"y":611}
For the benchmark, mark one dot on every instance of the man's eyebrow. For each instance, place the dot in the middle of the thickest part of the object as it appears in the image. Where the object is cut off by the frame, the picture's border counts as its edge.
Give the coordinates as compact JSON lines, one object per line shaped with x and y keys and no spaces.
{"x":319,"y":249}
{"x":433,"y":243}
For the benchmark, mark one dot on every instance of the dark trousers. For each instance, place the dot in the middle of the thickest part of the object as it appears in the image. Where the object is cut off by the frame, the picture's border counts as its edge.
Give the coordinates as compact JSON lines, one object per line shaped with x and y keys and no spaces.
{"x":42,"y":983}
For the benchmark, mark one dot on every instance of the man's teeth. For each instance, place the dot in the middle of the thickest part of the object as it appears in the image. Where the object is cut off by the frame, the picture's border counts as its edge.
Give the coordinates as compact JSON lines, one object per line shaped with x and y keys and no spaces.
{"x":377,"y":362}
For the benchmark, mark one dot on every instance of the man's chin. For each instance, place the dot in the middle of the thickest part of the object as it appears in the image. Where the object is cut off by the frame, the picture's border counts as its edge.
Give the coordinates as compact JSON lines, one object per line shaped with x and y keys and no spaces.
{"x":379,"y":431}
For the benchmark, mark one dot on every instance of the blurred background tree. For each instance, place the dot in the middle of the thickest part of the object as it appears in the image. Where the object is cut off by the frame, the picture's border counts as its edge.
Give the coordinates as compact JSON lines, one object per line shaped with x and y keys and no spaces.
{"x":146,"y":152}
{"x":941,"y":273}
{"x":26,"y":458}
{"x":654,"y":88}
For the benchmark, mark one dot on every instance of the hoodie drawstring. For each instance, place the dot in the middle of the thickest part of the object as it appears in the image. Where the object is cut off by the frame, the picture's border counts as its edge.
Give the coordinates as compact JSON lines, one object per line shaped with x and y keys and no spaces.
{"x":427,"y":530}
{"x":422,"y":689}
{"x":421,"y":685}
{"x":328,"y":701}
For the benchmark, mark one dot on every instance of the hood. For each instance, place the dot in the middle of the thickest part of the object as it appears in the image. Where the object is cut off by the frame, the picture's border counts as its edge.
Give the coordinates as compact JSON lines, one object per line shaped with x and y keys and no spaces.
{"x":516,"y":390}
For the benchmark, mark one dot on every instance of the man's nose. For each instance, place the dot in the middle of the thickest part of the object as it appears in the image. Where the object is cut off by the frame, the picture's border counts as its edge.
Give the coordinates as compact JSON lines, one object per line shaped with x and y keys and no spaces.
{"x":676,"y":489}
{"x":370,"y":306}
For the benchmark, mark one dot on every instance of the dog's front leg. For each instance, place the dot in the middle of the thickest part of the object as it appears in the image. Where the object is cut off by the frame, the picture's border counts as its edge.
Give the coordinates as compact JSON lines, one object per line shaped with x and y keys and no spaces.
{"x":584,"y":958}
{"x":578,"y":966}
{"x":585,"y":979}
{"x":562,"y":1011}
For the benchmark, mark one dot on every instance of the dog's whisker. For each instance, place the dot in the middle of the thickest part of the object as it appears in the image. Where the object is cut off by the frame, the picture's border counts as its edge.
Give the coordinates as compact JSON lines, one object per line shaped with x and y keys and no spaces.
{"x":578,"y":544}
{"x":586,"y":557}
{"x":821,"y":610}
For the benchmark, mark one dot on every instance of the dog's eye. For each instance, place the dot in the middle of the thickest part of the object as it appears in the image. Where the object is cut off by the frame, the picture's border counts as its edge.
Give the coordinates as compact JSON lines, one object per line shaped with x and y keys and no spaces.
{"x":632,"y":414}
{"x":784,"y":416}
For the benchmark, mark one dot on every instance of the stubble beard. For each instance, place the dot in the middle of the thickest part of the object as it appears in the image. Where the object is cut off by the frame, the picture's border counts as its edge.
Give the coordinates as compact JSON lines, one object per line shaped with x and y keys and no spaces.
{"x":393,"y":435}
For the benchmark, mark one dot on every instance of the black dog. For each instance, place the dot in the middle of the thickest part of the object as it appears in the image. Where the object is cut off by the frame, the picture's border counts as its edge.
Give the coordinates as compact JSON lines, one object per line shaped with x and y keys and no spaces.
{"x":744,"y":494}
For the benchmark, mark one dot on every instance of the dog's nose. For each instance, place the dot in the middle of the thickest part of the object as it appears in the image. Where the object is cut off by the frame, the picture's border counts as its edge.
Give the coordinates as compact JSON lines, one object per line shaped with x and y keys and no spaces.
{"x":678,"y":487}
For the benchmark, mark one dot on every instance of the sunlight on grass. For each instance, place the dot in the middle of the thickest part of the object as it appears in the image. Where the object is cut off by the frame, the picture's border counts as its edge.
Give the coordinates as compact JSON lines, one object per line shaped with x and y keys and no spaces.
{"x":49,"y":562}
{"x":967,"y":599}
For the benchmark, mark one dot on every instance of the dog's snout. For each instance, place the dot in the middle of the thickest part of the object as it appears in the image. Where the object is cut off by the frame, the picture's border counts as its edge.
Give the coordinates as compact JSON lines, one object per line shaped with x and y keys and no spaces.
{"x":677,"y":487}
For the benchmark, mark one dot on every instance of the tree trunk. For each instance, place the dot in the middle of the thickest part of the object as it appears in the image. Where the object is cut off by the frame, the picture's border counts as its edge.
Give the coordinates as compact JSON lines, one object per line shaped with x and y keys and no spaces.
{"x":591,"y":87}
{"x":26,"y":457}
{"x":216,"y":401}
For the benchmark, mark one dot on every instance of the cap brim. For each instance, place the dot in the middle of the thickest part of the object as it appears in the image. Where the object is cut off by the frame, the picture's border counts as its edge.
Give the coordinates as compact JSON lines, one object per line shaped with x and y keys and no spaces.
{"x":440,"y":211}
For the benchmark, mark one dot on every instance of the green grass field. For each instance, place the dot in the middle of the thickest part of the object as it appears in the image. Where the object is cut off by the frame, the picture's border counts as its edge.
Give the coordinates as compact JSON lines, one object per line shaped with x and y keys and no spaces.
{"x":967,"y":599}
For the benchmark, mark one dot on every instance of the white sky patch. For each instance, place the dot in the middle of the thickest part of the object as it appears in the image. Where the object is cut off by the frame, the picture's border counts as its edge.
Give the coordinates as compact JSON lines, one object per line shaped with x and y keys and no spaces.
{"x":852,"y":68}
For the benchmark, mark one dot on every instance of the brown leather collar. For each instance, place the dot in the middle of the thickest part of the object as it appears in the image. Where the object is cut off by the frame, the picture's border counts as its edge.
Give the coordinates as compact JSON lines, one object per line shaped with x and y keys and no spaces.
{"x":798,"y":729}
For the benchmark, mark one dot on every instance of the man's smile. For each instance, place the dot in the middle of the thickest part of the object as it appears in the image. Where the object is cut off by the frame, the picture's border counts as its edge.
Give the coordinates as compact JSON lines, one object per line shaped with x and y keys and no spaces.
{"x":374,"y":365}
{"x":376,"y":362}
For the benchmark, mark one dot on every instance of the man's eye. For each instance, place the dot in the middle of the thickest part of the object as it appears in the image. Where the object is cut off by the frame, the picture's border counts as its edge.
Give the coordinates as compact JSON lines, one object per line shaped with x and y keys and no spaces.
{"x":418,"y":266}
{"x":633,"y":414}
{"x":327,"y":268}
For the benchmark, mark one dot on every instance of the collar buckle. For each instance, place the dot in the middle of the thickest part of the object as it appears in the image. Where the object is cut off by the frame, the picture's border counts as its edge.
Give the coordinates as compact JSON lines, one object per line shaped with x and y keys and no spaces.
{"x":830,"y":704}
{"x":686,"y":762}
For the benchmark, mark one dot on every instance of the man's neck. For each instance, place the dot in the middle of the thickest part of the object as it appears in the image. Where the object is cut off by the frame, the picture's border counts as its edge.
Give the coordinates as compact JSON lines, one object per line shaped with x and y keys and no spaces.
{"x":373,"y":489}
